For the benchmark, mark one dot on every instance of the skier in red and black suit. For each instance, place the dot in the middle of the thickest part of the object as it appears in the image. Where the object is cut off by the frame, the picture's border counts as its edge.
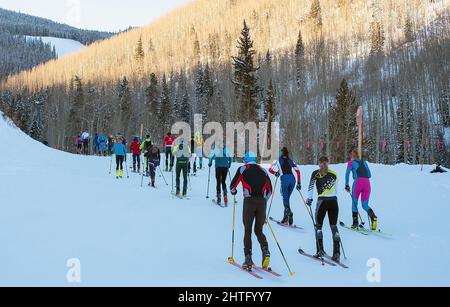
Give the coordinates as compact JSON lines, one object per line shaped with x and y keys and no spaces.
{"x":257,"y":191}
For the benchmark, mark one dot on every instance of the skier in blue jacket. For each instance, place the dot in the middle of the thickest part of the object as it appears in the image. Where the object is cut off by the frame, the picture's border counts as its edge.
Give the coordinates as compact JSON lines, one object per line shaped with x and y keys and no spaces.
{"x":120,"y":150}
{"x":102,"y":140}
{"x":222,"y":161}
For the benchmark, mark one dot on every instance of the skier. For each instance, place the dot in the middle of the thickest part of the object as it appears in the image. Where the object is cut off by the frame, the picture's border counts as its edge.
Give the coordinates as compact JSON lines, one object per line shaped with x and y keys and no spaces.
{"x":222,"y":161}
{"x":85,"y":136}
{"x":95,"y":144}
{"x":284,"y":167}
{"x":361,"y":188}
{"x":257,"y":191}
{"x":79,"y":144}
{"x":325,"y":181}
{"x":153,"y":160}
{"x":102,"y":144}
{"x":169,"y":141}
{"x":110,"y":144}
{"x":182,"y":152}
{"x":199,"y":148}
{"x":145,"y":148}
{"x":120,"y":150}
{"x":135,"y":149}
{"x":193,"y":160}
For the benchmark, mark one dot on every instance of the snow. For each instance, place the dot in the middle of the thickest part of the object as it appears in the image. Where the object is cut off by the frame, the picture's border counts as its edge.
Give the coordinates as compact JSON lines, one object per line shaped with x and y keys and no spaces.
{"x":56,"y":206}
{"x":63,"y":46}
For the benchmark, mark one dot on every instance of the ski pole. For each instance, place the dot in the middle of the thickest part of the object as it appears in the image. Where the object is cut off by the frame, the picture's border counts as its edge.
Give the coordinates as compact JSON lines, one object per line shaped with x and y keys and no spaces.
{"x":281,"y":251}
{"x":231,"y":259}
{"x":342,"y":246}
{"x":189,"y":182}
{"x":209,"y":180}
{"x":110,"y":164}
{"x":172,"y":179}
{"x":271,"y":200}
{"x":126,"y":166}
{"x":162,"y":175}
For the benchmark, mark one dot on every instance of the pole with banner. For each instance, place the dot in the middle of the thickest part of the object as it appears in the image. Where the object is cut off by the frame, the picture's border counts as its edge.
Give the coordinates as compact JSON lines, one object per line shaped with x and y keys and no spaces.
{"x":360,"y":123}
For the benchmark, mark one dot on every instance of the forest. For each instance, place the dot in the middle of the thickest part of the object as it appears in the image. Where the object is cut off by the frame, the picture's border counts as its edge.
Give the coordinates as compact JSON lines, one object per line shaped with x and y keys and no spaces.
{"x":310,"y":72}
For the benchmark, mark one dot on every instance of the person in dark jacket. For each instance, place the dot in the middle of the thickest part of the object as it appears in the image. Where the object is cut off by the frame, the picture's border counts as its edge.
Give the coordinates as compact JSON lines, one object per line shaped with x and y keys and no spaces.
{"x":153,"y":157}
{"x":257,"y":189}
{"x":222,"y":161}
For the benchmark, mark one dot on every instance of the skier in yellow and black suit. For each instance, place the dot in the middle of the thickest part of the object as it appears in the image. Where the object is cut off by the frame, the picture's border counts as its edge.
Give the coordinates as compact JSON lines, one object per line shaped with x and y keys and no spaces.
{"x":325,"y":181}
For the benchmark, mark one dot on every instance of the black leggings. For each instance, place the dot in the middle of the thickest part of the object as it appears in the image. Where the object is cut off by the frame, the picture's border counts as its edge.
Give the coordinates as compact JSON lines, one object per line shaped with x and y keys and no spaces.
{"x":119,"y":162}
{"x":221,"y":178}
{"x":254,"y":210}
{"x":327,"y":206}
{"x":169,"y":156}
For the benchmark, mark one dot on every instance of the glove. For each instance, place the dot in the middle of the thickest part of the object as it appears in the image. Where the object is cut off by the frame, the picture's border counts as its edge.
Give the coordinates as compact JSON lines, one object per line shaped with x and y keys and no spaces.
{"x":299,"y":187}
{"x":347,"y":188}
{"x":233,"y":192}
{"x":209,"y":165}
{"x":309,"y":202}
{"x":277,"y":174}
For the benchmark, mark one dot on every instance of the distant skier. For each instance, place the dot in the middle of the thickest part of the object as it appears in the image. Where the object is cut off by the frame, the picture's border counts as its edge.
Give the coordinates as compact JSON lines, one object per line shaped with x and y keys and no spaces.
{"x":135,"y":149}
{"x":169,"y":141}
{"x":438,"y":169}
{"x":154,"y":160}
{"x":85,"y":136}
{"x":79,"y":144}
{"x":199,"y":148}
{"x":222,"y":161}
{"x":145,"y":148}
{"x":182,"y":154}
{"x":120,"y":150}
{"x":361,"y":188}
{"x":102,"y":144}
{"x":110,"y":144}
{"x":257,"y":189}
{"x":284,"y":167}
{"x":325,"y":180}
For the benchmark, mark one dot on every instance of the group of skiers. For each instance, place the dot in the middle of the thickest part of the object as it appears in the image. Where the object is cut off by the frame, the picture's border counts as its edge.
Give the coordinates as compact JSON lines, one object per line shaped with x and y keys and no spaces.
{"x":101,"y":144}
{"x":257,"y":186}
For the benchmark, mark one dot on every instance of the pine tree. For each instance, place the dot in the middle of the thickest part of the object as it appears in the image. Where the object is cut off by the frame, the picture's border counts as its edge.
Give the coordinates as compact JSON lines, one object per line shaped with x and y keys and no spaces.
{"x":139,"y":53}
{"x":404,"y":129}
{"x":185,"y":108}
{"x":151,"y":97}
{"x":408,"y":29}
{"x":269,"y":108}
{"x":342,"y":121}
{"x":125,"y":104}
{"x":377,"y":37}
{"x":208,"y":94}
{"x":245,"y":79}
{"x":315,"y":13}
{"x":300,"y":64}
{"x":166,"y":114}
{"x":77,"y":106}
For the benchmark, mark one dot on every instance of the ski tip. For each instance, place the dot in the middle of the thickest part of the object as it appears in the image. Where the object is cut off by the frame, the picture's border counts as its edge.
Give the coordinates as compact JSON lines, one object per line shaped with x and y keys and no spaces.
{"x":230,"y":260}
{"x":292,"y":274}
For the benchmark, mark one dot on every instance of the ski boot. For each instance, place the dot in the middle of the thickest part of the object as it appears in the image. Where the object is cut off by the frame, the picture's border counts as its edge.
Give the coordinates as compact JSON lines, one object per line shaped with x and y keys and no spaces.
{"x":219,"y":199}
{"x":178,"y":193}
{"x":355,"y":224}
{"x":134,"y":168}
{"x":248,"y":263}
{"x":319,"y":237}
{"x":152,"y":184}
{"x":121,"y":174}
{"x":291,"y":218}
{"x":285,"y":219}
{"x":373,"y":219}
{"x":336,"y":251}
{"x":117,"y":174}
{"x":265,"y":257}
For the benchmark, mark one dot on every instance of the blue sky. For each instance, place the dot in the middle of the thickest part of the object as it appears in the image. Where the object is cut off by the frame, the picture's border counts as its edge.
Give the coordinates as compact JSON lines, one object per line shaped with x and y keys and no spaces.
{"x":110,"y":15}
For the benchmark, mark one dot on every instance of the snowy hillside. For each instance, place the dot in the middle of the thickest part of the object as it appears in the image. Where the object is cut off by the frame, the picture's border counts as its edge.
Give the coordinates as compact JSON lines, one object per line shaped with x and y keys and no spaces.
{"x":62,"y":46}
{"x":56,"y":206}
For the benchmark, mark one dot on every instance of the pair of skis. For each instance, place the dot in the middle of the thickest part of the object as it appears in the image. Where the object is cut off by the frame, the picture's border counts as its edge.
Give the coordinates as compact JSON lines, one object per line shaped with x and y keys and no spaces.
{"x":255,"y":267}
{"x":365,"y":231}
{"x":285,"y":225}
{"x":219,"y":204}
{"x":324,"y":260}
{"x":174,"y":195}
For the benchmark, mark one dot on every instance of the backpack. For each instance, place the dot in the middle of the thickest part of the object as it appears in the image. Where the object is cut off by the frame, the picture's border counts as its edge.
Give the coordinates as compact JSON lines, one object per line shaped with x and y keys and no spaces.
{"x":362,"y":170}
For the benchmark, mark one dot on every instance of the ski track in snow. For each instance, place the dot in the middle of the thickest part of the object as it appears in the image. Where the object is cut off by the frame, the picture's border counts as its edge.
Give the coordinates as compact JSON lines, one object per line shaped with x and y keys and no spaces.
{"x":55,"y":206}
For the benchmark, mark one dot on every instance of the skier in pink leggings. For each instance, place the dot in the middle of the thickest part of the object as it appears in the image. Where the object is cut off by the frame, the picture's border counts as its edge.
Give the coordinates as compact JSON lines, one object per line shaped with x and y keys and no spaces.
{"x":361,"y":188}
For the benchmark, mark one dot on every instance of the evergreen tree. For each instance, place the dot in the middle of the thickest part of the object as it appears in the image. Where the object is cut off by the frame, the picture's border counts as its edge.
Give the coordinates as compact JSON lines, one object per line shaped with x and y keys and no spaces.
{"x":152,"y":97}
{"x":315,"y":13}
{"x":342,"y":122}
{"x":377,"y":37}
{"x":245,"y":79}
{"x":166,"y":114}
{"x":125,"y":104}
{"x":404,"y":129}
{"x":208,"y":94}
{"x":409,"y":30}
{"x":185,"y":108}
{"x":300,"y":64}
{"x":139,"y":53}
{"x":269,"y":108}
{"x":77,"y":106}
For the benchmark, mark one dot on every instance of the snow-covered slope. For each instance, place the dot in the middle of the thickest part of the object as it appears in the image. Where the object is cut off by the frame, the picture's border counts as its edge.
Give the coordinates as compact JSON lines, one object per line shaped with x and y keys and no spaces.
{"x":62,"y":46}
{"x":56,"y":206}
